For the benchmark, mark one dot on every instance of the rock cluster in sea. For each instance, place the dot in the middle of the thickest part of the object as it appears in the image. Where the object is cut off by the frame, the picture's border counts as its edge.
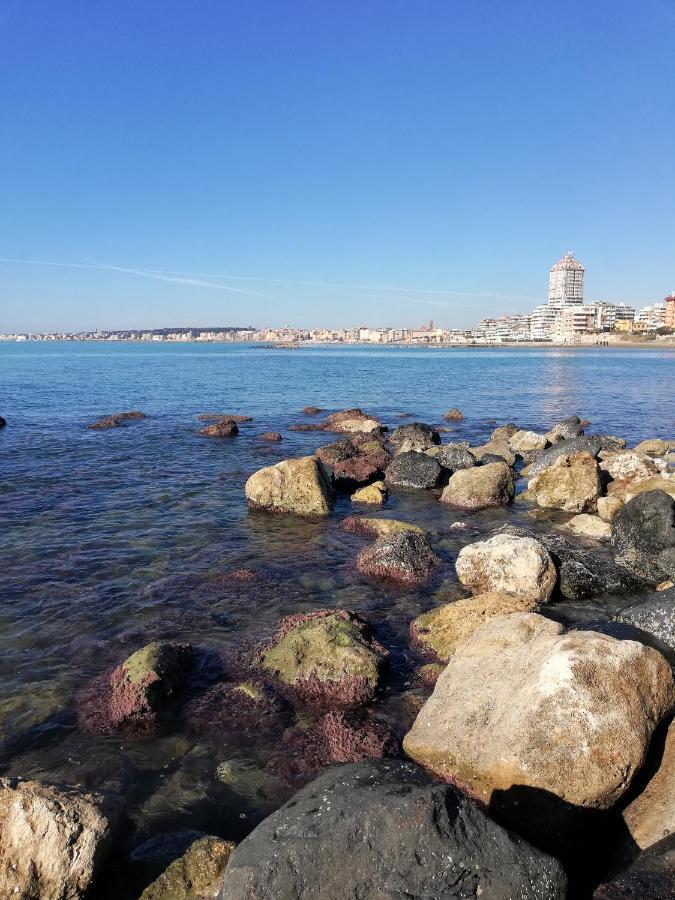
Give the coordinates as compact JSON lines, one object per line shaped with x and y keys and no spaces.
{"x":539,"y":757}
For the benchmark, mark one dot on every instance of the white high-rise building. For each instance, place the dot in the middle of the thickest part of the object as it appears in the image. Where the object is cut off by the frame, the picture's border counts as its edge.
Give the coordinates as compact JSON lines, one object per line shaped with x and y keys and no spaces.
{"x":566,"y":282}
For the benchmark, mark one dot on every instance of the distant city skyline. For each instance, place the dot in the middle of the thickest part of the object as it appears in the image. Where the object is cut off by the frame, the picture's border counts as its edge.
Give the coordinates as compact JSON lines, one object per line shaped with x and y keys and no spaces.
{"x":315,"y":165}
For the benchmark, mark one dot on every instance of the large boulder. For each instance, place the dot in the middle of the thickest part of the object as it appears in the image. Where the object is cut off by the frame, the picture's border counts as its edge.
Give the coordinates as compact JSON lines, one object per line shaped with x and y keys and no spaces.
{"x":481,"y":487}
{"x":413,"y":470}
{"x":665,"y":483}
{"x":406,"y":836}
{"x":571,"y":482}
{"x":440,"y":631}
{"x":405,"y":558}
{"x":524,"y":708}
{"x":650,"y":817}
{"x":51,"y":840}
{"x":654,"y":615}
{"x":568,"y":447}
{"x":507,"y":564}
{"x":298,"y":486}
{"x":650,"y":877}
{"x":524,"y":442}
{"x":325,"y":658}
{"x":643,"y":536}
{"x":414,"y":436}
{"x":196,"y":875}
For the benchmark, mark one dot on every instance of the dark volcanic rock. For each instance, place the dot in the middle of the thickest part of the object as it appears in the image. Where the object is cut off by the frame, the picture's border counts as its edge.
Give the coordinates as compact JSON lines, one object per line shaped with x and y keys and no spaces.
{"x":382,"y":829}
{"x":335,"y":452}
{"x":643,"y":535}
{"x":655,"y":615}
{"x":454,"y":458}
{"x":350,"y":474}
{"x":570,"y":427}
{"x":405,"y":557}
{"x":3,"y":422}
{"x":650,"y":877}
{"x":272,"y":436}
{"x":413,"y":470}
{"x":415,"y":436}
{"x":590,"y":445}
{"x":488,"y":458}
{"x":224,"y":428}
{"x":224,"y":417}
{"x":116,"y":419}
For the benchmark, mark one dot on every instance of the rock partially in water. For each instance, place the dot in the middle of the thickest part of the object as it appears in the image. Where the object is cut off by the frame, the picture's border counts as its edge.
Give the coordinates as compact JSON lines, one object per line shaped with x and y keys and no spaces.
{"x":297,"y":486}
{"x":571,"y":482}
{"x":3,"y":421}
{"x":224,"y":417}
{"x":415,"y":436}
{"x":654,"y":447}
{"x":407,"y":836}
{"x":116,"y":419}
{"x":526,"y":710}
{"x":351,"y":421}
{"x":454,"y":415}
{"x":375,"y":494}
{"x":481,"y":487}
{"x":650,"y":877}
{"x":196,"y":875}
{"x":377,"y":527}
{"x":327,"y":658}
{"x":405,"y":558}
{"x":643,"y":536}
{"x":570,"y":427}
{"x":566,"y":447}
{"x":654,"y":615}
{"x":335,"y":452}
{"x":244,"y":707}
{"x":223,"y":428}
{"x":650,"y":817}
{"x":140,"y":692}
{"x":508,"y":564}
{"x":504,"y":433}
{"x":272,"y":436}
{"x":52,"y":840}
{"x":311,"y":410}
{"x":413,"y":470}
{"x":350,"y":474}
{"x":440,"y":631}
{"x":589,"y":526}
{"x":337,"y":737}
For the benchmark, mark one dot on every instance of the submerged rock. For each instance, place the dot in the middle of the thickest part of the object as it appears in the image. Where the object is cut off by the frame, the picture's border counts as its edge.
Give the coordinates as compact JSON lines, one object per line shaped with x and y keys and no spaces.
{"x":405,"y":558}
{"x":224,"y":428}
{"x":571,"y":483}
{"x":413,"y":470}
{"x":481,"y":487}
{"x":297,"y":486}
{"x":311,"y":410}
{"x":3,"y":422}
{"x":224,"y":417}
{"x":643,"y":536}
{"x":507,"y":564}
{"x":522,"y":704}
{"x":116,"y":419}
{"x":52,"y":840}
{"x":377,"y":527}
{"x":440,"y":631}
{"x":196,"y":875}
{"x":246,"y":706}
{"x":406,"y":835}
{"x":272,"y":436}
{"x":326,"y":658}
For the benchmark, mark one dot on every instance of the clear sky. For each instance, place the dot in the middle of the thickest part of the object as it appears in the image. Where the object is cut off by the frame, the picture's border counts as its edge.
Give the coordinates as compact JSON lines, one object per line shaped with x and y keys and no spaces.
{"x":453,"y":149}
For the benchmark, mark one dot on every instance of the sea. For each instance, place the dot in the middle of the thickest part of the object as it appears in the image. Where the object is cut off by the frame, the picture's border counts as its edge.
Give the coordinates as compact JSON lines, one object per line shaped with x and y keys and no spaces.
{"x":111,"y":539}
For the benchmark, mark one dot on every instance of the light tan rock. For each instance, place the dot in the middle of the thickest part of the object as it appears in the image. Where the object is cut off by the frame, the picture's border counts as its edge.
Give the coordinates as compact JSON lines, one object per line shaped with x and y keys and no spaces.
{"x":504,"y":432}
{"x":655,"y":447}
{"x":608,"y":507}
{"x":356,"y":426}
{"x":571,"y":482}
{"x":527,"y":441}
{"x":522,"y":703}
{"x":298,"y":486}
{"x":481,"y":487}
{"x":378,"y":527}
{"x":440,"y":631}
{"x":665,"y":585}
{"x":655,"y":483}
{"x":51,"y":841}
{"x":498,"y":448}
{"x":651,"y":816}
{"x":196,"y":875}
{"x":508,"y":564}
{"x":627,"y":465}
{"x":590,"y":526}
{"x":375,"y":493}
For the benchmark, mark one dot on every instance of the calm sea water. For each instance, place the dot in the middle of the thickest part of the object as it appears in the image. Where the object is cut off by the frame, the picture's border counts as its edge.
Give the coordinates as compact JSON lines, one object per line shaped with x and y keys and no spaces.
{"x":110,"y":539}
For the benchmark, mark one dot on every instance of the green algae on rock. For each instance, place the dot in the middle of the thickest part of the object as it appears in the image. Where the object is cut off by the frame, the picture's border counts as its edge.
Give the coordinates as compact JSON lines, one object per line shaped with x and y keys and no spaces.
{"x":196,"y":875}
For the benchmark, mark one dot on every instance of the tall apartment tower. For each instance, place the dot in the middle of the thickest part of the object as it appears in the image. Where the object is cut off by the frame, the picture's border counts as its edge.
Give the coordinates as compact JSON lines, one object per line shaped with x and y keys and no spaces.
{"x":566,"y":282}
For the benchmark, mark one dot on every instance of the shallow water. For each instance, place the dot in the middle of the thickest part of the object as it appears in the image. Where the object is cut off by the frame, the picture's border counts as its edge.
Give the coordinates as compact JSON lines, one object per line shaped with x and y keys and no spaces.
{"x":110,"y":539}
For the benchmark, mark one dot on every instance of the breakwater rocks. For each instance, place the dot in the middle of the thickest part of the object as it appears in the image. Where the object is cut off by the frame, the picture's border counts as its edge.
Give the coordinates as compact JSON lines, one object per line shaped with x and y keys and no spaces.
{"x":485,"y":728}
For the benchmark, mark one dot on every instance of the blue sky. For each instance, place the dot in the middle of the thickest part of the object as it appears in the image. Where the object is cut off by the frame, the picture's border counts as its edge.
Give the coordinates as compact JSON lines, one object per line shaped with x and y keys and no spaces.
{"x":409,"y":159}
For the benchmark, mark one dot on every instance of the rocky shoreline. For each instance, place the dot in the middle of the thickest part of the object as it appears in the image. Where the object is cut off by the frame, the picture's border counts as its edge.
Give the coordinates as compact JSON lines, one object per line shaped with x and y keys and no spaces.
{"x":540,"y":761}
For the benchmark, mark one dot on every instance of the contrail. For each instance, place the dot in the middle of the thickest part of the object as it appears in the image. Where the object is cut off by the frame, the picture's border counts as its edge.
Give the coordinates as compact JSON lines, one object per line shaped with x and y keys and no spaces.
{"x":143,"y":273}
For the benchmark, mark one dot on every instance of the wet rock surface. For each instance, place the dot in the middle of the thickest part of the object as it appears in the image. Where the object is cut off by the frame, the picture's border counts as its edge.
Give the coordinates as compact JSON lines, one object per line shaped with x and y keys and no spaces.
{"x":297,"y":486}
{"x":405,"y":558}
{"x":407,"y":836}
{"x":115,"y":420}
{"x":196,"y":875}
{"x":224,"y":428}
